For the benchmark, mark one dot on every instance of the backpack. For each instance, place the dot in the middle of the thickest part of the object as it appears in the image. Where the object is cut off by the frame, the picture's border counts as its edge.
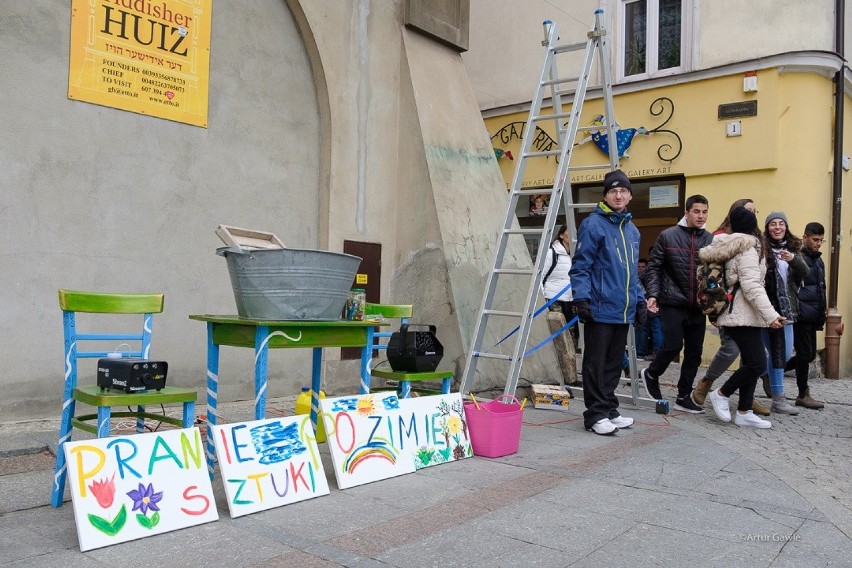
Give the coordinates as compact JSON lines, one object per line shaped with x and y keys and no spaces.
{"x":713,"y":296}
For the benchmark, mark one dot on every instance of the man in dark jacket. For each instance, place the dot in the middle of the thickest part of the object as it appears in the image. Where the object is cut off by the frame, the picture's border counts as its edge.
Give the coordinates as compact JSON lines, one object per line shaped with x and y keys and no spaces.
{"x":811,"y":317}
{"x":607,"y":297}
{"x":671,"y":288}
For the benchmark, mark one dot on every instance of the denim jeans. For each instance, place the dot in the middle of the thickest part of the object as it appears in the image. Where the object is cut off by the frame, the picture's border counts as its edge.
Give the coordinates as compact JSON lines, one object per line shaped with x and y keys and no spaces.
{"x":776,"y":374}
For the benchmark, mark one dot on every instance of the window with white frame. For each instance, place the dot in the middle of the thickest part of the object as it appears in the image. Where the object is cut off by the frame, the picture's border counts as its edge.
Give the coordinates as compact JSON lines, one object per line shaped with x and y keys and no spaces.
{"x":654,"y":38}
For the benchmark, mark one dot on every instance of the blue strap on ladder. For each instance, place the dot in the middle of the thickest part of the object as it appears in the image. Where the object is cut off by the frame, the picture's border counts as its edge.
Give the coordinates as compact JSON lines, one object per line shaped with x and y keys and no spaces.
{"x":535,"y":314}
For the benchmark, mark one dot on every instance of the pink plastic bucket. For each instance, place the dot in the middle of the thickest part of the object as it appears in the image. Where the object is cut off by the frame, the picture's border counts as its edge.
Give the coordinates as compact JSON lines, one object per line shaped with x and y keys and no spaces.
{"x":494,"y":426}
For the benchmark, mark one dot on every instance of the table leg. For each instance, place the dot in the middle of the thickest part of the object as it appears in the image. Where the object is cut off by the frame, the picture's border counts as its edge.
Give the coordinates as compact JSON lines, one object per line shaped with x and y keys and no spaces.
{"x":212,"y":395}
{"x":366,"y":358}
{"x":261,"y":357}
{"x":316,"y":385}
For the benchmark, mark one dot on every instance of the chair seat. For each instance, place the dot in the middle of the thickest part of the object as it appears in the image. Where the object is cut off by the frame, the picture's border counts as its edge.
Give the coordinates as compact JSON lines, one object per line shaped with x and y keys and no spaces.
{"x":388,"y":373}
{"x":94,"y":396}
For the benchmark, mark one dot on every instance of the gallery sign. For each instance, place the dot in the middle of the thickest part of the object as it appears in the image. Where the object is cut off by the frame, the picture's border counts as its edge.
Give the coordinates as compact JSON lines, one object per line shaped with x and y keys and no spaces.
{"x":146,"y":56}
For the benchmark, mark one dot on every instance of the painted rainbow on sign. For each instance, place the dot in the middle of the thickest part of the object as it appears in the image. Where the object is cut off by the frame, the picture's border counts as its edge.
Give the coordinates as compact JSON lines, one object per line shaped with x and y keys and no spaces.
{"x":376,"y":449}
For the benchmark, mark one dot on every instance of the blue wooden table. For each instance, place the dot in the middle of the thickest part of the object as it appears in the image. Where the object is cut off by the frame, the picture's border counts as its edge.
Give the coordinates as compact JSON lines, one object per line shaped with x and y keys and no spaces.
{"x":263,"y":335}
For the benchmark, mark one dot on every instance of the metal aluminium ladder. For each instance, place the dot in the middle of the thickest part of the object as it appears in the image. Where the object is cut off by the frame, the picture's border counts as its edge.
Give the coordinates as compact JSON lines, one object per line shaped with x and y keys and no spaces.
{"x":557,"y":87}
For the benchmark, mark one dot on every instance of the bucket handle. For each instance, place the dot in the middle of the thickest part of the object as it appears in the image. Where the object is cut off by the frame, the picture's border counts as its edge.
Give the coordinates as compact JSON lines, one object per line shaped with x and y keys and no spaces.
{"x":507,"y":395}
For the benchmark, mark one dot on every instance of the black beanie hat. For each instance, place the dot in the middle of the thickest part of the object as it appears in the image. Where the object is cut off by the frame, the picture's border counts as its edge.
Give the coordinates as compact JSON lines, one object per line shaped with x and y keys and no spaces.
{"x":617,"y":178}
{"x":743,"y":221}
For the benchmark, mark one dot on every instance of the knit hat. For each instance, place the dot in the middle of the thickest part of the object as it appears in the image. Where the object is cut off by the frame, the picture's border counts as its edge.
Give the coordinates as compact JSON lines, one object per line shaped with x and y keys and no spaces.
{"x":743,"y":221}
{"x":776,"y":215}
{"x":617,"y":178}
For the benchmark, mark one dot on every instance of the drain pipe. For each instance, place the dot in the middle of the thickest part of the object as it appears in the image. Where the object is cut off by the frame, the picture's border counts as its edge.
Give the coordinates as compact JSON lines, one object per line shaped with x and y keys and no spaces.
{"x":833,"y":325}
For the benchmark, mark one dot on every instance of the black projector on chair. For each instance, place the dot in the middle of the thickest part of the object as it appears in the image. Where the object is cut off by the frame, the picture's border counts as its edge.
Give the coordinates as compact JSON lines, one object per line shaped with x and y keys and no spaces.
{"x":414,"y":351}
{"x":131,"y":375}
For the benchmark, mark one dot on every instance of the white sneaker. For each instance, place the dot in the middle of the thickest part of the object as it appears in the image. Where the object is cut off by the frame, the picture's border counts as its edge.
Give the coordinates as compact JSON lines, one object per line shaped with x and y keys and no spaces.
{"x":751,"y":419}
{"x":603,"y":427}
{"x":622,"y":421}
{"x":721,"y":405}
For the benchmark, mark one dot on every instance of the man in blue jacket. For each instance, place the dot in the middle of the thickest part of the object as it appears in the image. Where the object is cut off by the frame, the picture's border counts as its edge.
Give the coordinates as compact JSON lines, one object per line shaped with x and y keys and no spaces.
{"x":607,"y":296}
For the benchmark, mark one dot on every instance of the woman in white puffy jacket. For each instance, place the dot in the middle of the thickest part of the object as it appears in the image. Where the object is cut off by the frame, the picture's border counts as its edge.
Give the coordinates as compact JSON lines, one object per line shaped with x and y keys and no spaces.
{"x":556,"y":270}
{"x":750,"y":311}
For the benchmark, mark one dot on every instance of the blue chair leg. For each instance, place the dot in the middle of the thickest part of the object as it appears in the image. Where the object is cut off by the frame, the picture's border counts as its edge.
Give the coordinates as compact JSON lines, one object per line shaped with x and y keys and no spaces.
{"x":57,"y":493}
{"x":104,"y":413}
{"x":140,"y":420}
{"x":446,"y":384}
{"x":188,"y":414}
{"x":405,"y":389}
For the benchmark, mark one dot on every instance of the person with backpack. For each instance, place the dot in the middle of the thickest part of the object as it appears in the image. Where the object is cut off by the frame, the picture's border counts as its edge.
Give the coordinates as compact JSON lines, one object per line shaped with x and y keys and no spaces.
{"x":557,"y":275}
{"x":671,"y":288}
{"x":728,"y":350}
{"x":785,"y":270}
{"x":608,"y":299}
{"x":743,"y":254}
{"x":812,"y":311}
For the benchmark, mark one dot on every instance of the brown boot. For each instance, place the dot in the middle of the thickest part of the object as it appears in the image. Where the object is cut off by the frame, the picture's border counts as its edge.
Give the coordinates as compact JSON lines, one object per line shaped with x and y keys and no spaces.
{"x":808,"y":401}
{"x":758,"y":408}
{"x":699,"y":393}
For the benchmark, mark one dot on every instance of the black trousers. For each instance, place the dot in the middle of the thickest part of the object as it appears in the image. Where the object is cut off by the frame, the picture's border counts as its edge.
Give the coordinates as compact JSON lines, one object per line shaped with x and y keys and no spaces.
{"x":603,"y":351}
{"x":683,"y":328}
{"x":752,"y":364}
{"x":804,"y":341}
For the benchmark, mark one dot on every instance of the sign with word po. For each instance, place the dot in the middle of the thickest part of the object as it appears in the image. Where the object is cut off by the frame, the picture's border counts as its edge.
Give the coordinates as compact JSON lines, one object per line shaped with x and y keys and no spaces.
{"x":128,"y":487}
{"x":362,"y":438}
{"x":146,"y":56}
{"x":269,"y":463}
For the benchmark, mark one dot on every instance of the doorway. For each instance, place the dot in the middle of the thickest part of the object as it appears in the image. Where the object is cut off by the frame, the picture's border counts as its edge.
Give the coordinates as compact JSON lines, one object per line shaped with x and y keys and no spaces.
{"x":368,"y":277}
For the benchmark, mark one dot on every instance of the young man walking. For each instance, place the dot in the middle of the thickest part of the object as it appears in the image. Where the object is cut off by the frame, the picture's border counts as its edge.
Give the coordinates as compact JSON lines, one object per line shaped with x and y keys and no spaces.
{"x":607,"y":298}
{"x":671,"y":288}
{"x":811,"y":317}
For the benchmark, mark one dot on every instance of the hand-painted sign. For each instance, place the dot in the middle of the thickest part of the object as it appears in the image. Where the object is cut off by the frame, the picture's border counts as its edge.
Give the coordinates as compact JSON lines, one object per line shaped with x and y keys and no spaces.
{"x":363,"y":439}
{"x":145,"y":56}
{"x":435,"y":426}
{"x":128,"y":487}
{"x":268,"y":463}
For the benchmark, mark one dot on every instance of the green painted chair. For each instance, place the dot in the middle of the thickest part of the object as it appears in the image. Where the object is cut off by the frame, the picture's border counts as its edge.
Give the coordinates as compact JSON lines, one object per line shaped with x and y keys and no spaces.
{"x":146,"y":305}
{"x":383,"y":371}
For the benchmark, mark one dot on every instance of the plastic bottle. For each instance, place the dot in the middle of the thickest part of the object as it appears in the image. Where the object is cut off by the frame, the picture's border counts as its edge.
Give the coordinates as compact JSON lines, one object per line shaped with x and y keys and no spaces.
{"x":303,"y":406}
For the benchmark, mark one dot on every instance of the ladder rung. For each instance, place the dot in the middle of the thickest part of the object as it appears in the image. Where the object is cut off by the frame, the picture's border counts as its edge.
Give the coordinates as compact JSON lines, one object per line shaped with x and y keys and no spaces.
{"x":568,"y":47}
{"x":503,"y":313}
{"x":583,"y":205}
{"x":526,"y":271}
{"x":542,"y":154}
{"x":493,"y":356}
{"x":533,"y":191}
{"x":552,"y":82}
{"x":528,"y":231}
{"x":592,"y":167}
{"x":542,"y":117}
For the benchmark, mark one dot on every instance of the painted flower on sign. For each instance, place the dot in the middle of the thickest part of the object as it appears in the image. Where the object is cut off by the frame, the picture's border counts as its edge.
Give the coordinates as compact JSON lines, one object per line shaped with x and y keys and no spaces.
{"x":104,"y":491}
{"x":145,"y":498}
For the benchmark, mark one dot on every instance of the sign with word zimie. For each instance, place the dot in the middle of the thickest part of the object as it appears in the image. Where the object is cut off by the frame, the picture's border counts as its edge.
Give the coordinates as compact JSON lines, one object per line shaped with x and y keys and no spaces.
{"x":146,"y":56}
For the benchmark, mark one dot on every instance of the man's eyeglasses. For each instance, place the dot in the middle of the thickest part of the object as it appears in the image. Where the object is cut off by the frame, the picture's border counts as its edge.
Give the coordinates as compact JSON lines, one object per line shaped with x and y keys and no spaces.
{"x":618,"y":191}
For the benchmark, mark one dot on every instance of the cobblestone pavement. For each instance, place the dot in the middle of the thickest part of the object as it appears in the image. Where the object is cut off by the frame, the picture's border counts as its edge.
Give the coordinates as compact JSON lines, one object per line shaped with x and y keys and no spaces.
{"x":815,"y":445}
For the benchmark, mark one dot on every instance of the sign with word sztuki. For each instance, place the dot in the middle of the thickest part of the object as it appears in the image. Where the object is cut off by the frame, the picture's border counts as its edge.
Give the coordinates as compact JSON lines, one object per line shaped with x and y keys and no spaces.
{"x":146,"y":56}
{"x":361,"y":437}
{"x":435,"y":426}
{"x":269,"y":463}
{"x":128,"y":487}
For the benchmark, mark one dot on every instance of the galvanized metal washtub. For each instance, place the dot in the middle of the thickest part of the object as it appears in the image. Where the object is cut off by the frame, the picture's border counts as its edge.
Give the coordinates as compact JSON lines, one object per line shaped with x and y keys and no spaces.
{"x":290,"y":284}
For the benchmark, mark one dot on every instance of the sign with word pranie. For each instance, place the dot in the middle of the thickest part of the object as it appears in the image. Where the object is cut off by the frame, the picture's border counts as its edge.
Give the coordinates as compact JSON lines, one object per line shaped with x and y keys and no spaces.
{"x":128,"y":487}
{"x":269,"y":463}
{"x":146,"y":56}
{"x":361,"y":437}
{"x":435,"y":426}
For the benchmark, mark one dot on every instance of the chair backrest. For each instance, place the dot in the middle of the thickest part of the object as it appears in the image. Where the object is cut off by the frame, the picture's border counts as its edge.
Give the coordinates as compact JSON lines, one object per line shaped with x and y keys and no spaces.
{"x":402,"y":312}
{"x":74,"y":301}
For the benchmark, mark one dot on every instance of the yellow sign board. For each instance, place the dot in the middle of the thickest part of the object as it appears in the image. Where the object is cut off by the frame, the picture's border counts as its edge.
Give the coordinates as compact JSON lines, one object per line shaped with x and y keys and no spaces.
{"x":360,"y":278}
{"x":146,"y":56}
